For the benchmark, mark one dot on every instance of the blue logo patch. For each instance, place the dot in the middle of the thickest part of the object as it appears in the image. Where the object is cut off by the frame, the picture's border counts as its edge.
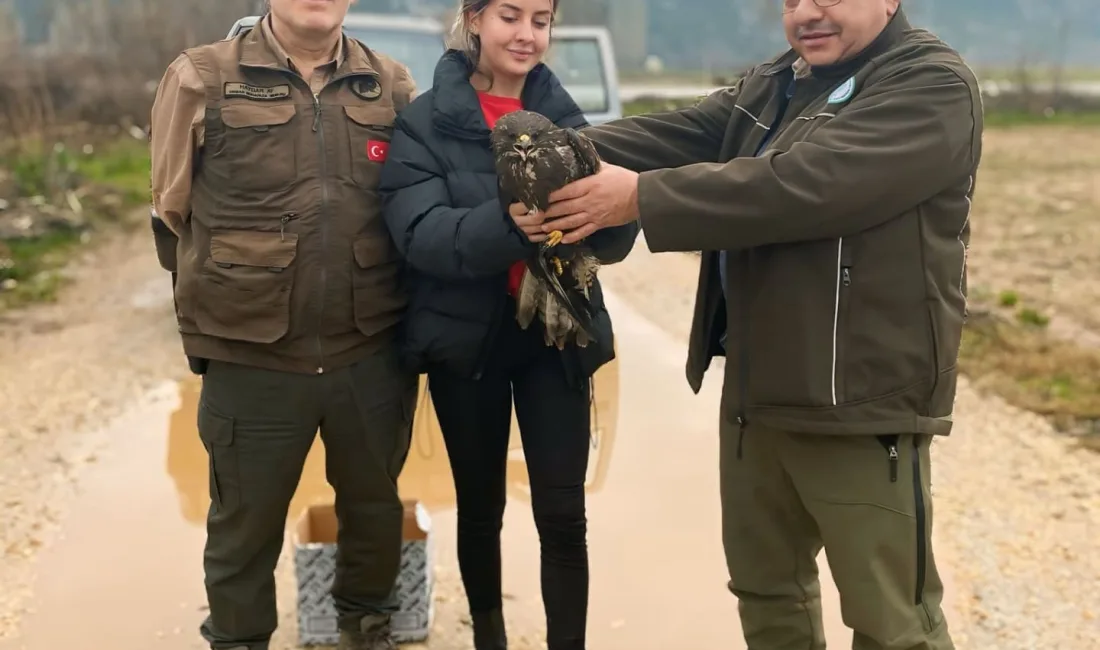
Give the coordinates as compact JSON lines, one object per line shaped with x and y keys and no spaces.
{"x":844,"y":92}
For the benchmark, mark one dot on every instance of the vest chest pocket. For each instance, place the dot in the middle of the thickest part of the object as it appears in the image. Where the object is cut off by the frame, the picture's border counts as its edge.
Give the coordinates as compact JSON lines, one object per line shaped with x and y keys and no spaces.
{"x":244,"y":288}
{"x":258,"y":145}
{"x":370,"y":129}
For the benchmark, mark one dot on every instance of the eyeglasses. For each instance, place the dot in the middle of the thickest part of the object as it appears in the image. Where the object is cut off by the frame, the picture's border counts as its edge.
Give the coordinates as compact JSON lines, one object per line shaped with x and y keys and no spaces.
{"x":791,"y":5}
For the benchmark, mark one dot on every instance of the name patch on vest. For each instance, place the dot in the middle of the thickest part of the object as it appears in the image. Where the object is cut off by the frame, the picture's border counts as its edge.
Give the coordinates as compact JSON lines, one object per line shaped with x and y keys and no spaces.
{"x":258,"y":93}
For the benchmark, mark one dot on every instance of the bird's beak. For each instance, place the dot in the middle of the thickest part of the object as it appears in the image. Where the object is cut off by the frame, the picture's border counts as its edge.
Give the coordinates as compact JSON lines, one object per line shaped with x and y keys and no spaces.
{"x":523,"y":143}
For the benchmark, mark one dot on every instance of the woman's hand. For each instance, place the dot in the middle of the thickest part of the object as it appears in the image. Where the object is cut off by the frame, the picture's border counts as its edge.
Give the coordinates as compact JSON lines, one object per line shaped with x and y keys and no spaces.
{"x":529,"y":221}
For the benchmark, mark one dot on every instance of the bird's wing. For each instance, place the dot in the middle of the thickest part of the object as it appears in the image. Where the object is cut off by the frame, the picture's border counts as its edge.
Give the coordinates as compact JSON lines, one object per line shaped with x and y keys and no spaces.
{"x":588,"y":159}
{"x":528,"y":298}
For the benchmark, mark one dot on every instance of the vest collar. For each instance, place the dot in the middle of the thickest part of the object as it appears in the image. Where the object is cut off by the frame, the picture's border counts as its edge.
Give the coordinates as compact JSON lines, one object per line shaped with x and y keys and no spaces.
{"x":260,"y":49}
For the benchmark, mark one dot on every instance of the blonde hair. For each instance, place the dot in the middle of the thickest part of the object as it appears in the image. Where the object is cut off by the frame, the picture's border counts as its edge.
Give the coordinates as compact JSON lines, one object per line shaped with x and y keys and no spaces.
{"x":462,"y":36}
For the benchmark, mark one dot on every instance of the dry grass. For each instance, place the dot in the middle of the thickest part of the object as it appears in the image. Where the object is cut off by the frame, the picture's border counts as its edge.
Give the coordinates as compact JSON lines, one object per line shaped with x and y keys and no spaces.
{"x":1035,"y":224}
{"x":1035,"y":272}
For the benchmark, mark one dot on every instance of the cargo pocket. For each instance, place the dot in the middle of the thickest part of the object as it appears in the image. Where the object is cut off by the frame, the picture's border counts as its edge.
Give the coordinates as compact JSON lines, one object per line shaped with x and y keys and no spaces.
{"x":258,"y":147}
{"x":244,"y":288}
{"x":370,"y":130}
{"x":216,"y":433}
{"x":378,"y":292}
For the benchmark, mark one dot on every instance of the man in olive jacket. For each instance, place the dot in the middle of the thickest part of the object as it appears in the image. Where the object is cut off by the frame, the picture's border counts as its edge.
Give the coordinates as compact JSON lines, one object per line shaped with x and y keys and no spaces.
{"x":830,"y":191}
{"x":267,"y":150}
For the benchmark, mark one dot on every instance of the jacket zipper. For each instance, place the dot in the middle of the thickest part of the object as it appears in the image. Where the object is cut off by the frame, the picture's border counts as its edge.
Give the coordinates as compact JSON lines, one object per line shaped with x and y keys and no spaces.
{"x":486,"y":346}
{"x":842,"y":279}
{"x":922,"y":534}
{"x":743,"y":349}
{"x":890,"y":443}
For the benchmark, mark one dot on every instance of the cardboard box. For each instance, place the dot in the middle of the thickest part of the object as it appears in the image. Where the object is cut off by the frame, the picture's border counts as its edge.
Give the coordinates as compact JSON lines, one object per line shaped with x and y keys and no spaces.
{"x":315,"y":566}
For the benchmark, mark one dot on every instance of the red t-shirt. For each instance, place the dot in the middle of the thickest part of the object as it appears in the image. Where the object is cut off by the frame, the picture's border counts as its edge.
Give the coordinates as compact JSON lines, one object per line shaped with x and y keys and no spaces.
{"x":494,"y":107}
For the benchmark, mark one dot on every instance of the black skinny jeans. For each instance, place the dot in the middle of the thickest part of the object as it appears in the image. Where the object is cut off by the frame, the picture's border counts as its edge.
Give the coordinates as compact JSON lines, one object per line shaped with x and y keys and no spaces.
{"x":554,"y":422}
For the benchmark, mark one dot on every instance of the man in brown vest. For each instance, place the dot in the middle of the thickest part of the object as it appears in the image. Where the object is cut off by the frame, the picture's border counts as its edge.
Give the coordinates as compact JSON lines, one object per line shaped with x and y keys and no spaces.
{"x":266,"y":152}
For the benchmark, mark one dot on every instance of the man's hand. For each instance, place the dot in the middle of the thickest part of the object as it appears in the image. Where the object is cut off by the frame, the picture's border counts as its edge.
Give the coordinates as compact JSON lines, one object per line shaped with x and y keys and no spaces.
{"x":606,"y":199}
{"x":529,"y":221}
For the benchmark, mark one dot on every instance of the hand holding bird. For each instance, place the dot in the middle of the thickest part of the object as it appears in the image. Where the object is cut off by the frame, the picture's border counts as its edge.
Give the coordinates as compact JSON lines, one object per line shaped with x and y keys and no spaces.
{"x":607,"y":199}
{"x":534,"y":158}
{"x":529,"y":221}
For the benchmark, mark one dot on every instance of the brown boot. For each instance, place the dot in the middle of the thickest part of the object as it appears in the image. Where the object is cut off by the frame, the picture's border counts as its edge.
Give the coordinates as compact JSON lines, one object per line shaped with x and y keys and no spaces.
{"x":373,"y":634}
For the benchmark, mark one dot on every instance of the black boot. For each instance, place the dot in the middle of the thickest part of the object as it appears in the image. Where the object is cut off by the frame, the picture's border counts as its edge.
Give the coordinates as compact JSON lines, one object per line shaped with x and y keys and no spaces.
{"x":489,"y":630}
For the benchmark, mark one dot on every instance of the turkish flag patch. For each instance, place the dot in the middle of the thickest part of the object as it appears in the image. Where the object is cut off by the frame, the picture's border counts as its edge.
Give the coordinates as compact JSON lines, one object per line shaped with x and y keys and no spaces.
{"x":377,"y":150}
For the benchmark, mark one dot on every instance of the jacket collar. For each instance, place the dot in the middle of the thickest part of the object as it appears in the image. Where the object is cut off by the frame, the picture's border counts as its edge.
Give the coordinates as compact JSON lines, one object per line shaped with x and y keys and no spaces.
{"x":457,"y":110}
{"x":891,"y":35}
{"x":260,"y":49}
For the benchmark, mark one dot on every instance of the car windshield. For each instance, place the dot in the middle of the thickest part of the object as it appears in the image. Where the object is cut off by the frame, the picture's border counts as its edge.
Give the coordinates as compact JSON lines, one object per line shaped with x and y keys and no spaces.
{"x":579,"y":66}
{"x":418,"y":50}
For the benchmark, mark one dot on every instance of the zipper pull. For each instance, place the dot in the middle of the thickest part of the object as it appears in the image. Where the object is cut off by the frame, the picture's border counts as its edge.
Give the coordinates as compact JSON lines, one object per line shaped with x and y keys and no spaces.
{"x":893,"y":449}
{"x":846,"y":275}
{"x":316,"y":112}
{"x":283,"y":220}
{"x":741,"y":424}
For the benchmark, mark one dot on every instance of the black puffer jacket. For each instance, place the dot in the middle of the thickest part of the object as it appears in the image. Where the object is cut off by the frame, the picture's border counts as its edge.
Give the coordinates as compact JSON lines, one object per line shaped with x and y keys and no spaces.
{"x":444,"y":211}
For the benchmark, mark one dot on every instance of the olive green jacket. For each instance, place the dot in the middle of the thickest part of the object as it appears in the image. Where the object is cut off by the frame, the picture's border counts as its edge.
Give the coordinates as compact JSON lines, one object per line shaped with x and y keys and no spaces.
{"x":847,"y":235}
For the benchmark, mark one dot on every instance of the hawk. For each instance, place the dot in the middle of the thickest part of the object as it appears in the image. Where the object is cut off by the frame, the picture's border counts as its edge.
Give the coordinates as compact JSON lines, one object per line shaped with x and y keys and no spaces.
{"x":534,"y":158}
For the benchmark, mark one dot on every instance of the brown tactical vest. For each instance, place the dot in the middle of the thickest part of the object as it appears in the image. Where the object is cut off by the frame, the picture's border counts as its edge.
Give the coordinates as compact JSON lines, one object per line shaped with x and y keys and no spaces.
{"x":287,"y":263}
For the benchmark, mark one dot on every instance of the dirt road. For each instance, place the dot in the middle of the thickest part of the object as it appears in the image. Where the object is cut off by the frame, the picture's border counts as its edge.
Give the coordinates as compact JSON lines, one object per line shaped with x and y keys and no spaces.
{"x":101,"y":488}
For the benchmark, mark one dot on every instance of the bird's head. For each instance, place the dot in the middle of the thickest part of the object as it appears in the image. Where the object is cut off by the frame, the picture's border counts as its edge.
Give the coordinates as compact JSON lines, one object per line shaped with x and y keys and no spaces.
{"x":518,"y":133}
{"x":523,"y":144}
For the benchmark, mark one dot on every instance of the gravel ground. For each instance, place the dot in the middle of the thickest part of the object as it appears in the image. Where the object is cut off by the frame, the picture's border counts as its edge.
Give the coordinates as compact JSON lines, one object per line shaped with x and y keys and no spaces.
{"x":1017,"y":507}
{"x":65,"y":369}
{"x":1017,"y":504}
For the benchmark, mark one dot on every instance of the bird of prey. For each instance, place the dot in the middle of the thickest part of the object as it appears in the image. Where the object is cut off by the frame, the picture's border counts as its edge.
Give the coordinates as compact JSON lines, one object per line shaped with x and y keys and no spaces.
{"x":534,"y":157}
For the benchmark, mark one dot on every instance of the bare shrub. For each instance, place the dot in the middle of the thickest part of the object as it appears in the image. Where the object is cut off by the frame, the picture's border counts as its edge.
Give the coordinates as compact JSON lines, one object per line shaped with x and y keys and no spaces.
{"x":103,"y":61}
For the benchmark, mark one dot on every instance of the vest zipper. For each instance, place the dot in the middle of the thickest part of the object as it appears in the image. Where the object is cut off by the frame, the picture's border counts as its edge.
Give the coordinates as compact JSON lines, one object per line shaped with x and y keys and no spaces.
{"x":283,"y":221}
{"x":319,"y":129}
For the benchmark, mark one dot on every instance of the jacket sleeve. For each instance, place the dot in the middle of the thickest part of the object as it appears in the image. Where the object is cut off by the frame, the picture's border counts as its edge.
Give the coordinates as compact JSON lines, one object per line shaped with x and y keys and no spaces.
{"x":432,"y":235}
{"x":610,"y":245}
{"x":667,"y":139}
{"x":900,"y":142}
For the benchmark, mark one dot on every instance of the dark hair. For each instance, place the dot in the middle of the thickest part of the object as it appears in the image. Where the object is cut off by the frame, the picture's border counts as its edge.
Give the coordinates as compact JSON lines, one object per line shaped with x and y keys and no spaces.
{"x":466,"y":40}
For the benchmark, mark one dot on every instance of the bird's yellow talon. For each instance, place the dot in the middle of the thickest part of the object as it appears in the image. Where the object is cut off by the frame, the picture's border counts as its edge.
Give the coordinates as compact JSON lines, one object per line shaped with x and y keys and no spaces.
{"x":554,"y":238}
{"x":557,"y":265}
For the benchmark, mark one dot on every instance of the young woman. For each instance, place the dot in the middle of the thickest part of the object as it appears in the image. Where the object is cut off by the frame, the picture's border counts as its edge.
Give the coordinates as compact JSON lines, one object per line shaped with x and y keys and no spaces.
{"x":463,"y":258}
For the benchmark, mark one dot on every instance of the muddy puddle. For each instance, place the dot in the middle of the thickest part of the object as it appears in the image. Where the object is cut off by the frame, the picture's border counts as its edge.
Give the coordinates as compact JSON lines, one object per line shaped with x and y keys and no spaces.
{"x":127,"y":572}
{"x":426,"y":477}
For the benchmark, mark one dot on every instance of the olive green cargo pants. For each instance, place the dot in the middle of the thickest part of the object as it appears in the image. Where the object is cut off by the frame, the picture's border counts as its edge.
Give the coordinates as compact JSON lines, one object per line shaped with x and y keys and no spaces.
{"x":865,"y":500}
{"x":257,"y":426}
